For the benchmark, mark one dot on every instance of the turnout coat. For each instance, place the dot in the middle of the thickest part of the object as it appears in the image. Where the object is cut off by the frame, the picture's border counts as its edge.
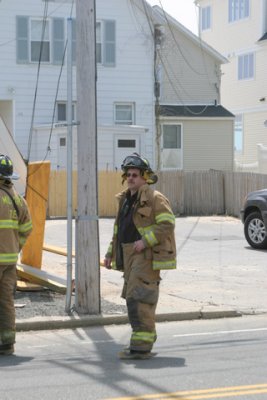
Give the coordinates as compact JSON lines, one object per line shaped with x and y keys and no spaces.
{"x":155,"y":222}
{"x":15,"y":223}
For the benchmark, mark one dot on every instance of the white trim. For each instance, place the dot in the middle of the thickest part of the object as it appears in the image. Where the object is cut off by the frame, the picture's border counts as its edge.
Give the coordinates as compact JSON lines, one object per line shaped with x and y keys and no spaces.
{"x":124,"y":103}
{"x":198,"y":118}
{"x":182,"y":145}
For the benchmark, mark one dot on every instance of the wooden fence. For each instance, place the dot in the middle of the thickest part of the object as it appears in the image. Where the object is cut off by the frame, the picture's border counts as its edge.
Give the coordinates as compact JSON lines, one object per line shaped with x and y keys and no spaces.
{"x":190,"y":193}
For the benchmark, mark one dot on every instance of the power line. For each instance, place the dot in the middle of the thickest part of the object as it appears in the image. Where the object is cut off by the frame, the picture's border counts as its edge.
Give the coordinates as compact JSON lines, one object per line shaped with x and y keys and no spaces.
{"x":49,"y":15}
{"x":37,"y":79}
{"x":166,"y":70}
{"x":55,"y":101}
{"x":177,"y":43}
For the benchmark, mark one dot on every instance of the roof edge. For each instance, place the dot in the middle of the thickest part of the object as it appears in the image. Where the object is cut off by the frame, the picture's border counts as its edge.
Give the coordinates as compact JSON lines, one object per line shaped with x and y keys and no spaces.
{"x":162,"y":15}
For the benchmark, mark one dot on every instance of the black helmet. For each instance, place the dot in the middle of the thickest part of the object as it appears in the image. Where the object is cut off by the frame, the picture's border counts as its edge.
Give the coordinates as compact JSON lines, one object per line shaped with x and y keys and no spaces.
{"x":136,"y":161}
{"x":141,"y":163}
{"x":6,"y":168}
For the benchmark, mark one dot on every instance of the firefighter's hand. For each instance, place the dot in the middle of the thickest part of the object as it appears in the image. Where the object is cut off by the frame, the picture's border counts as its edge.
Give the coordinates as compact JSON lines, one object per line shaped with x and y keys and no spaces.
{"x":139,"y":246}
{"x":107,"y":262}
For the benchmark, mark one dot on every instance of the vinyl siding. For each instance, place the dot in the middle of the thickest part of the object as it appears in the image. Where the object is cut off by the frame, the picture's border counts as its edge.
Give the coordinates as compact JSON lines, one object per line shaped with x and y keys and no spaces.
{"x":255,"y":134}
{"x":192,"y":74}
{"x":131,"y":80}
{"x":208,"y":145}
{"x":245,"y":94}
{"x":242,"y":96}
{"x":226,"y":37}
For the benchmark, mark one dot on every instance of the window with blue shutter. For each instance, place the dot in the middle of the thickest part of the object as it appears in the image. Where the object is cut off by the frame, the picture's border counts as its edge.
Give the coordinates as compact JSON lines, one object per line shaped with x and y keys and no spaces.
{"x":109,"y":44}
{"x":22,"y":39}
{"x":58,"y":36}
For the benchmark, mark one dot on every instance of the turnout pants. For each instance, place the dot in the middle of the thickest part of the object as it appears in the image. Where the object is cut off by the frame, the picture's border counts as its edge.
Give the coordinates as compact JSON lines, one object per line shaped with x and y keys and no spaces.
{"x":141,"y":291}
{"x":8,"y":279}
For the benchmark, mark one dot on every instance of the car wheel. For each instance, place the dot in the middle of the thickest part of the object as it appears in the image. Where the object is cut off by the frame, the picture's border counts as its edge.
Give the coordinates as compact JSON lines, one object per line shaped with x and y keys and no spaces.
{"x":255,"y":231}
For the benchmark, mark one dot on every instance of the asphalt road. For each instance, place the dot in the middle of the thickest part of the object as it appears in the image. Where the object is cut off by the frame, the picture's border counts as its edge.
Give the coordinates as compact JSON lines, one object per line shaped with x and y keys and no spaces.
{"x":207,"y":359}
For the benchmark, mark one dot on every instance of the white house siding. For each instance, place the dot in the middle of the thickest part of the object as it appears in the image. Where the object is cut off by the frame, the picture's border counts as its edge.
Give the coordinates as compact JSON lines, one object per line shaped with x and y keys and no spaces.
{"x":192,"y":74}
{"x":19,"y":81}
{"x":106,"y":147}
{"x":131,"y":80}
{"x":208,"y":144}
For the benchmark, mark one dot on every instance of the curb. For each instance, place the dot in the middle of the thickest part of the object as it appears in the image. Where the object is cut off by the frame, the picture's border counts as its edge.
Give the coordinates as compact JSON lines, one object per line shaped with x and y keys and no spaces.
{"x":72,"y":322}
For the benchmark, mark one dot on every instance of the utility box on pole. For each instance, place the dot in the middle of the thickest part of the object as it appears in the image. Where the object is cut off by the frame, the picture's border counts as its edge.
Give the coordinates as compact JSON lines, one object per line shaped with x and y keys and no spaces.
{"x":87,"y":273}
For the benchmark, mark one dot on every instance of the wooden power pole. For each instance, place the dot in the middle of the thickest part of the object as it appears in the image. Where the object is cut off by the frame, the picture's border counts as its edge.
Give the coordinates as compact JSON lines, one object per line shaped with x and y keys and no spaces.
{"x":87,"y":273}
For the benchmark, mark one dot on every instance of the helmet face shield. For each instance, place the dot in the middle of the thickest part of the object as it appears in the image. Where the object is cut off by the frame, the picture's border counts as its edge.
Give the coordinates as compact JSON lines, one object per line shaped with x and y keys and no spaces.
{"x":141,"y":163}
{"x":135,"y":161}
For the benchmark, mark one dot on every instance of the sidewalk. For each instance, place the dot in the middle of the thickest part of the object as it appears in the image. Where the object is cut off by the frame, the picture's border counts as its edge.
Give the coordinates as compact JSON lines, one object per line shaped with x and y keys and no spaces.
{"x":218,"y":275}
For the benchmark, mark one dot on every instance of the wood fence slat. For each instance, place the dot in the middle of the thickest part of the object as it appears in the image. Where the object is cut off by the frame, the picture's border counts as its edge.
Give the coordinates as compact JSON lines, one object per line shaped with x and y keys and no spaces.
{"x":190,"y":192}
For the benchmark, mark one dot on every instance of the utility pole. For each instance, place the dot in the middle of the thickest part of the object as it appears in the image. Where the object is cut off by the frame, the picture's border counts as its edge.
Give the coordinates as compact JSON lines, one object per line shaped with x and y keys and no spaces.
{"x":69,"y":167}
{"x":87,"y":273}
{"x":157,"y":65}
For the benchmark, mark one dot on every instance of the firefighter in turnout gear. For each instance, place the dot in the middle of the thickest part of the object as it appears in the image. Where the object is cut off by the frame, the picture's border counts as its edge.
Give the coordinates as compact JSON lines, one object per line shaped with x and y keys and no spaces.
{"x":143,"y":243}
{"x":15,"y":227}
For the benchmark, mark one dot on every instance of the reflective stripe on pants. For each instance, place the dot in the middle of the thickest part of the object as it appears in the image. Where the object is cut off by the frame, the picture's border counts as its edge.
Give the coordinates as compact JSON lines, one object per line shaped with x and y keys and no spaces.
{"x":141,"y":291}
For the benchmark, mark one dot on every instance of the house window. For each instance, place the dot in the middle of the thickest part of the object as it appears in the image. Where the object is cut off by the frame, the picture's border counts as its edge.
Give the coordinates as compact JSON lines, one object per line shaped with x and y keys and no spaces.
{"x":105,"y":43}
{"x":62,"y":142}
{"x":129,"y":143}
{"x":124,"y":114}
{"x":34,"y":36}
{"x":62,"y":112}
{"x":238,"y":134}
{"x":238,"y":9}
{"x":246,"y":66}
{"x":205,"y":18}
{"x":39,"y":40}
{"x":172,"y":146}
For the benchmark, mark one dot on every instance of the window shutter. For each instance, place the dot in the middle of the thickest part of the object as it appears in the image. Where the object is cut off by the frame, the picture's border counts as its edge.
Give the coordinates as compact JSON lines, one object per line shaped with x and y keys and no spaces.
{"x":109,"y":44}
{"x":22,"y":39}
{"x":58,"y":39}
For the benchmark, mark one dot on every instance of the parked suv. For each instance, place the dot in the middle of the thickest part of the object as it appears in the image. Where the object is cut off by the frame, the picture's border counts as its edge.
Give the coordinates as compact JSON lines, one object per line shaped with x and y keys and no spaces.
{"x":254,"y":218}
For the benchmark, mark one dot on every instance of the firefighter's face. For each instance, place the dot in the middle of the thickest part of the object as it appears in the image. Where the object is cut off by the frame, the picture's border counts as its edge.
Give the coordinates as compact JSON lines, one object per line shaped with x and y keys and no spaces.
{"x":134,"y":179}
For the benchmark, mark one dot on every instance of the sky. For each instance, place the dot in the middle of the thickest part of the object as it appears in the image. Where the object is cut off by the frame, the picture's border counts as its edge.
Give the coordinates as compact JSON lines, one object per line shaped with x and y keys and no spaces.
{"x":184,"y":11}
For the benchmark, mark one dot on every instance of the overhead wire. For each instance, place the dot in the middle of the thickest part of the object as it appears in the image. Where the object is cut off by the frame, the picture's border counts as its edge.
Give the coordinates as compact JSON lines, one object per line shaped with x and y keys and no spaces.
{"x":48,"y":149}
{"x":173,"y":85}
{"x":177,"y":43}
{"x":44,"y":25}
{"x":151,"y":27}
{"x":185,"y":59}
{"x":62,"y":3}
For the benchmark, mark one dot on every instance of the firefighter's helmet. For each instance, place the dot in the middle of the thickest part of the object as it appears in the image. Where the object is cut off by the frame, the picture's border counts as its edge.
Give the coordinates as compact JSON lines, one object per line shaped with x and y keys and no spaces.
{"x":141,"y":163}
{"x":6,"y":168}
